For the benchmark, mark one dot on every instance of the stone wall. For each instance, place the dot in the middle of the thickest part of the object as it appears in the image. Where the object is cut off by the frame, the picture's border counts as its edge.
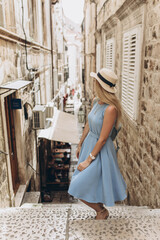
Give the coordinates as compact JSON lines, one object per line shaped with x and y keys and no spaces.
{"x":106,"y":9}
{"x":13,"y":67}
{"x":4,"y":190}
{"x":139,"y":154}
{"x":90,"y":48}
{"x":140,"y":150}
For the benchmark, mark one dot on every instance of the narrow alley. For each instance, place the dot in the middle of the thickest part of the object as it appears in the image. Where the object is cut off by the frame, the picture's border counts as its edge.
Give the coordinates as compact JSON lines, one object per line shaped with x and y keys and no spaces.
{"x":79,"y":77}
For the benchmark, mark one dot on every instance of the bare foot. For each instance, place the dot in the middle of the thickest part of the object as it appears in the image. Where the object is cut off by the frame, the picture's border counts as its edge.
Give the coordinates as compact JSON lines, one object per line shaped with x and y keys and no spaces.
{"x":103,"y":214}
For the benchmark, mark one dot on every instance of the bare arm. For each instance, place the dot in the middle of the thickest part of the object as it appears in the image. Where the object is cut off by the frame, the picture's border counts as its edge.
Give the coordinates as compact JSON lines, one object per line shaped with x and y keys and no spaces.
{"x":84,"y":134}
{"x":108,"y":121}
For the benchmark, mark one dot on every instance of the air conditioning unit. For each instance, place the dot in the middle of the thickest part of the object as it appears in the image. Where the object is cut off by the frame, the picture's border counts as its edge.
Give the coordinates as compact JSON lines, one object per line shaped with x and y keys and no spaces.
{"x":39,"y":117}
{"x":49,"y":110}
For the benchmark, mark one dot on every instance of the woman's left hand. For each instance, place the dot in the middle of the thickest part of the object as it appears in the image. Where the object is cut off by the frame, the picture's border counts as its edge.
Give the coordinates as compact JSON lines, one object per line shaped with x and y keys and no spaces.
{"x":83,"y":165}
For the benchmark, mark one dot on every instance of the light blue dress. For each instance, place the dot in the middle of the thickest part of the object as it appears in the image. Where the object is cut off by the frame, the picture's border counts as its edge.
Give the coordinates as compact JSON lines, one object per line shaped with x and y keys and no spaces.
{"x":101,"y":181}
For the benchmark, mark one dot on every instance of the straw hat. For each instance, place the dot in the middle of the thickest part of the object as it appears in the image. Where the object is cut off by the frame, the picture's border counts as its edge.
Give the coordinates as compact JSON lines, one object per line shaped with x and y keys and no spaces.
{"x":107,"y":79}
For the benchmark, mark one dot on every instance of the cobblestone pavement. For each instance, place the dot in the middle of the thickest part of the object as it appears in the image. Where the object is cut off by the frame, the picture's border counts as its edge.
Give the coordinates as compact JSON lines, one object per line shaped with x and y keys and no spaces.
{"x":76,"y":221}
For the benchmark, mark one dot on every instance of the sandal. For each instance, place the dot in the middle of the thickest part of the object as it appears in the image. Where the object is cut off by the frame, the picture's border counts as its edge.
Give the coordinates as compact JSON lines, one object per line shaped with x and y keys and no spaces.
{"x":98,"y":217}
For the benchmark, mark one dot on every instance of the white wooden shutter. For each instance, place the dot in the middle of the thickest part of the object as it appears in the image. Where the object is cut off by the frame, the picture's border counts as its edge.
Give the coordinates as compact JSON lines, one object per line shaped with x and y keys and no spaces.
{"x":98,"y":57}
{"x":110,"y":49}
{"x":130,"y":71}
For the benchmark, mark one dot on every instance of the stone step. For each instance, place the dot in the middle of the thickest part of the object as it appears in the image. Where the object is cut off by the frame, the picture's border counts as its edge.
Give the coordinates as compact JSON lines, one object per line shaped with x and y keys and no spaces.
{"x":20,"y":195}
{"x":77,"y":221}
{"x":31,"y":197}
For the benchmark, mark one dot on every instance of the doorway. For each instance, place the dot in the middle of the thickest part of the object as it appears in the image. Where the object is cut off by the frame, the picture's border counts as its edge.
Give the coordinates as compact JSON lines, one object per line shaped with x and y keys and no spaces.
{"x":12,"y":143}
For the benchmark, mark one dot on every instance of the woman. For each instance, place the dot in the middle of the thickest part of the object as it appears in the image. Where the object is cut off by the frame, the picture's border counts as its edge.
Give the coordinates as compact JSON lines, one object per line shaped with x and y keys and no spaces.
{"x":97,"y":179}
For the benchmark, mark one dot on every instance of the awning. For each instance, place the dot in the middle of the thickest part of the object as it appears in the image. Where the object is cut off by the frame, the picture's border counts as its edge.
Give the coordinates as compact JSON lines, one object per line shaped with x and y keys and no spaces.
{"x":15,"y":85}
{"x":63,"y":129}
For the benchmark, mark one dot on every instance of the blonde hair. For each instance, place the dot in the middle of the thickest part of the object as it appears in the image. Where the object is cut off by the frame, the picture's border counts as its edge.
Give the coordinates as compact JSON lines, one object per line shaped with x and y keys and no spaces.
{"x":109,"y":98}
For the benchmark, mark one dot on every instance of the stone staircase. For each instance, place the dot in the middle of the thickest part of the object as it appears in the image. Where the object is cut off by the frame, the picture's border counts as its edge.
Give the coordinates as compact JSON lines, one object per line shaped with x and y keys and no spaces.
{"x":76,"y":221}
{"x":26,"y":197}
{"x":31,"y":197}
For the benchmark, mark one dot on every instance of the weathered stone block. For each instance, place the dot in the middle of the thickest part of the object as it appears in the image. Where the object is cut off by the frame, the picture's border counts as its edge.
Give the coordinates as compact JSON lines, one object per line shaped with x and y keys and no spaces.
{"x":158,"y":157}
{"x":148,"y":160}
{"x":156,"y":50}
{"x":148,"y":50}
{"x":156,"y":171}
{"x":153,"y":17}
{"x":146,"y":62}
{"x":152,"y":64}
{"x":156,"y":31}
{"x":144,"y":105}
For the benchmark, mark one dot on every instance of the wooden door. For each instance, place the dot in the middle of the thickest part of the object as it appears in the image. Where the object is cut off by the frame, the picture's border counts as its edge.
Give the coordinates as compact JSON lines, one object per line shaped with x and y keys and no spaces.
{"x":12,"y":143}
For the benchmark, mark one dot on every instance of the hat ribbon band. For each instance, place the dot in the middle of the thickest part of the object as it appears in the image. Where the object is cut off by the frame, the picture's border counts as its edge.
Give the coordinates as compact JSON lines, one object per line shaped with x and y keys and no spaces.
{"x":105,"y":80}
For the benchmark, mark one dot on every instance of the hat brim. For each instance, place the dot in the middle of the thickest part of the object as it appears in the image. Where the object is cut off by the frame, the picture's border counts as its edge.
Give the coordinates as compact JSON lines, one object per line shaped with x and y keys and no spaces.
{"x":104,"y":85}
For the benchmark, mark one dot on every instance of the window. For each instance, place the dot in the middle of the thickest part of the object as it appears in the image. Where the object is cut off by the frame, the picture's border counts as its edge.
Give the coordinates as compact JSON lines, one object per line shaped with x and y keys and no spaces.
{"x":59,"y":56}
{"x":2,"y":23}
{"x":130,"y":71}
{"x":44,"y":23}
{"x":98,"y":57}
{"x":110,"y":53}
{"x":11,"y":17}
{"x":66,"y":48}
{"x":59,"y":77}
{"x":32,"y":15}
{"x":31,"y":18}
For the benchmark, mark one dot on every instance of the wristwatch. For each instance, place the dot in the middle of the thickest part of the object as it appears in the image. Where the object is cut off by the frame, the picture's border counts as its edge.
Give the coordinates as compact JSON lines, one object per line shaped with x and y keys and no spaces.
{"x":92,"y":157}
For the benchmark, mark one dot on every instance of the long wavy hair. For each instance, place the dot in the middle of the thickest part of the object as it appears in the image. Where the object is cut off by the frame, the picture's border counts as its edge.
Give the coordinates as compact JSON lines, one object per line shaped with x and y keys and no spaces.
{"x":109,"y":98}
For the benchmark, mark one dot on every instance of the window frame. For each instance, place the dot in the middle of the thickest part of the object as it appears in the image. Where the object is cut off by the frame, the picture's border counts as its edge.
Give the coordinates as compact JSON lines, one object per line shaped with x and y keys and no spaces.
{"x":133,"y":115}
{"x":109,"y":42}
{"x":98,"y":56}
{"x":31,"y":18}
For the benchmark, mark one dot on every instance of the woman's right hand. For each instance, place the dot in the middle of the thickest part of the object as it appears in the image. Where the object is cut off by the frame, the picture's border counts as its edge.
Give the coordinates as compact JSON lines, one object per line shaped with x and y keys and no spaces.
{"x":78,"y":151}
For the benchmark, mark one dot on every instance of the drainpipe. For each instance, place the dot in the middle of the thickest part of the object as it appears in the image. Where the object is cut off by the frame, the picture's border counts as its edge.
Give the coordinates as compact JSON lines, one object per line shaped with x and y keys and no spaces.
{"x":95,"y":2}
{"x":84,"y":35}
{"x":95,"y":35}
{"x":51,"y":32}
{"x":52,"y":2}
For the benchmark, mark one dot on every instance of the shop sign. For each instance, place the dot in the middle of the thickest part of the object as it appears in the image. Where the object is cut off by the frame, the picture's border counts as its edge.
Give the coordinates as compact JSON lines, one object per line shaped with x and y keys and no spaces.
{"x":16,"y":103}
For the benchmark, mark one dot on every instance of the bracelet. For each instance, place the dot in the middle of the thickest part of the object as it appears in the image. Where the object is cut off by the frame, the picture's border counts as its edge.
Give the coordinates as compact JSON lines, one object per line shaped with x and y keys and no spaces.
{"x":92,"y":157}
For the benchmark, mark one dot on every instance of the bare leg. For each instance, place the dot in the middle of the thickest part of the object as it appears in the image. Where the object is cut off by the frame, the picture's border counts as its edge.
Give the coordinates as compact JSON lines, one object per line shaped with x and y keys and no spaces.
{"x":102,"y":213}
{"x":96,"y":206}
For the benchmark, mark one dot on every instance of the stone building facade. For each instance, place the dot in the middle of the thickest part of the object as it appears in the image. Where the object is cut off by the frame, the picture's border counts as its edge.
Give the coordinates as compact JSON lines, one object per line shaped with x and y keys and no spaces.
{"x":26,"y":62}
{"x":124,"y":36}
{"x":74,"y":39}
